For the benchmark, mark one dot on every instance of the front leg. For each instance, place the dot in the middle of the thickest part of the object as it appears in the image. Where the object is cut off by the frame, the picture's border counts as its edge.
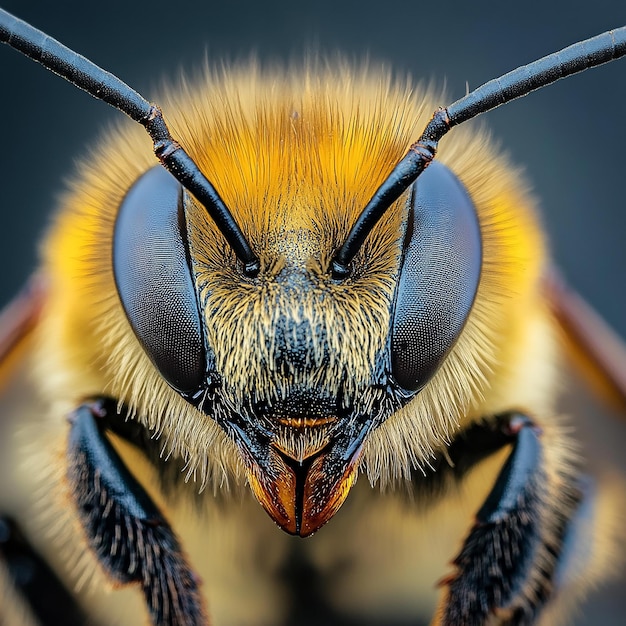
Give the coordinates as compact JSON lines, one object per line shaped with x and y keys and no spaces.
{"x":130,"y":537}
{"x":507,"y":568}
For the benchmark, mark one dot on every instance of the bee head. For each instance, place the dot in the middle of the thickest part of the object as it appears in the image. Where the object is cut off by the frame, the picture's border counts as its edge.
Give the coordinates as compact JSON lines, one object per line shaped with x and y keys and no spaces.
{"x":297,"y":366}
{"x":293,"y":375}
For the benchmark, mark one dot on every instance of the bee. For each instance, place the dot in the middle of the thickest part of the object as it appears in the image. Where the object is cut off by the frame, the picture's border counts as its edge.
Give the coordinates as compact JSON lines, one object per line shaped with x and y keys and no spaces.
{"x":369,"y":352}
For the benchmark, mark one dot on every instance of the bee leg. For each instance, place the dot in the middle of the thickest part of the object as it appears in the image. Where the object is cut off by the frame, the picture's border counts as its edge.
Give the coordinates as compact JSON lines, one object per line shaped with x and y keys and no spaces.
{"x":34,"y":586}
{"x":505,"y":571}
{"x":126,"y":530}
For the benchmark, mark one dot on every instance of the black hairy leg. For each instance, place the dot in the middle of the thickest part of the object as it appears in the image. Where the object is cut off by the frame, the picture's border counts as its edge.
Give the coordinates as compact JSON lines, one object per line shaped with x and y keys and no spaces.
{"x":131,"y":538}
{"x":506,"y":569}
{"x":32,"y":579}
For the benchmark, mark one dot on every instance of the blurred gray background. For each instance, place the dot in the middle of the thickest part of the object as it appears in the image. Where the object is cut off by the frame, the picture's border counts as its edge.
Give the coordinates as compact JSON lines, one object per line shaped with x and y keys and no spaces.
{"x":570,"y":136}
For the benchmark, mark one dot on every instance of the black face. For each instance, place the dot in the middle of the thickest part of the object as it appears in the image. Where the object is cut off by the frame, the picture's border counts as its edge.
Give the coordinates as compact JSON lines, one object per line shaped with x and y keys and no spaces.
{"x":436,"y":283}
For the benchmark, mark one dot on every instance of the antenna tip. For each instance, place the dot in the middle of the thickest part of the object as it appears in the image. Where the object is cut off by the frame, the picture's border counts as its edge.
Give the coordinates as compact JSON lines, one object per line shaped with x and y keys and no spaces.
{"x":339,"y":271}
{"x":252,"y":268}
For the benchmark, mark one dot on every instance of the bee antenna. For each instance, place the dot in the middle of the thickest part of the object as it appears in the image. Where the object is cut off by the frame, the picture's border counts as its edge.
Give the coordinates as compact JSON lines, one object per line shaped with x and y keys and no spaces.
{"x":103,"y":85}
{"x":520,"y":82}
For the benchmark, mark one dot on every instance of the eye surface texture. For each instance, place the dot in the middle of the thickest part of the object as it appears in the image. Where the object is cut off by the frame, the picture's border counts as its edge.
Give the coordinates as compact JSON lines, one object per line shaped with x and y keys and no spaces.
{"x":439,"y":275}
{"x":154,"y":282}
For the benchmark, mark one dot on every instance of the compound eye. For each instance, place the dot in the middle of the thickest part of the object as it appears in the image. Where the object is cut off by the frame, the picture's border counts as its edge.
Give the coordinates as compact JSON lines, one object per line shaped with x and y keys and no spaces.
{"x":439,"y":274}
{"x":152,"y":271}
